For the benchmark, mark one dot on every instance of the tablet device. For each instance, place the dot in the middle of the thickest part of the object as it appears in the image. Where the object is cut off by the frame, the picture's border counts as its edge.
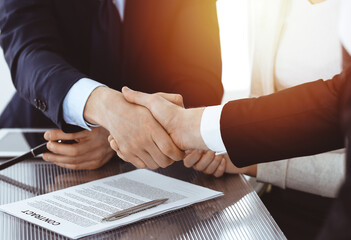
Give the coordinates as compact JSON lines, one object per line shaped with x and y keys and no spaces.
{"x":15,"y":142}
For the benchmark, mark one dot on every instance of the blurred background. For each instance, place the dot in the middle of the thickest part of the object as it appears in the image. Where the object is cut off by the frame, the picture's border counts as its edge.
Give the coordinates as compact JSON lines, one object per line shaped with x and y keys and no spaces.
{"x":232,"y":16}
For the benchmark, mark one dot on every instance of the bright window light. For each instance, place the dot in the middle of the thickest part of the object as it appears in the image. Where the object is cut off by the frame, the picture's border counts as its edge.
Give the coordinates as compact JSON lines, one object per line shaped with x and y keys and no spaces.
{"x":233,"y":24}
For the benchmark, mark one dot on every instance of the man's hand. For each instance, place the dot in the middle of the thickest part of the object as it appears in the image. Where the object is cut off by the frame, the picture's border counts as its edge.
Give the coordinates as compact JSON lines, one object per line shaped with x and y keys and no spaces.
{"x":209,"y":163}
{"x":138,"y":137}
{"x":183,"y":125}
{"x":91,"y":151}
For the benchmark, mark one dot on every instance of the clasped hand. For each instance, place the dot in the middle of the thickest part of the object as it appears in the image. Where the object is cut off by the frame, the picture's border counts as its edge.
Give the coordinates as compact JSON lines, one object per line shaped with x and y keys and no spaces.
{"x":183,"y":126}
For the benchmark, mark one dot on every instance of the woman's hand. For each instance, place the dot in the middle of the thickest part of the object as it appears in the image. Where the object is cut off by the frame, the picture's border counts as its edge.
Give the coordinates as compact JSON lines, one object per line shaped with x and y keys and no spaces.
{"x":209,"y":163}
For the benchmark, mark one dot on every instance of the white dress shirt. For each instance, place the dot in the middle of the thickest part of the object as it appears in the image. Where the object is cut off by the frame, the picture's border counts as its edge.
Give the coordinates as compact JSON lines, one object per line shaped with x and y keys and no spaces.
{"x":211,"y":130}
{"x":77,"y":96}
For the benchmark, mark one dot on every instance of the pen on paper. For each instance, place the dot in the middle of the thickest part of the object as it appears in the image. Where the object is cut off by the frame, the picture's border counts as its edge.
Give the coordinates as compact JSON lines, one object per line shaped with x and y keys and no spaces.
{"x":135,"y":209}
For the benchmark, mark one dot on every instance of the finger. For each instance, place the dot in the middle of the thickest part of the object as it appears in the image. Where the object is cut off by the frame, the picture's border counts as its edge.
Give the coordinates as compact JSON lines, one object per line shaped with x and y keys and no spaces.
{"x":159,"y":158}
{"x":221,"y":169}
{"x":192,"y":158}
{"x":136,"y":96}
{"x":91,"y":160}
{"x":166,"y":144}
{"x":212,"y":167}
{"x":147,"y":159}
{"x":162,"y":110}
{"x":187,"y":152}
{"x":64,"y":159}
{"x":205,"y":160}
{"x":155,"y":103}
{"x":133,"y":159}
{"x":120,"y":155}
{"x":76,"y":149}
{"x":173,"y":98}
{"x":114,"y":146}
{"x":82,"y":166}
{"x":58,"y":134}
{"x":72,"y":150}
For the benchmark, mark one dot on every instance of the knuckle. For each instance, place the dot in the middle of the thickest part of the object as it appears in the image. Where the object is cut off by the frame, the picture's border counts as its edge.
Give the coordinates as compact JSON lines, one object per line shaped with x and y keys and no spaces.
{"x":179,"y":98}
{"x":211,"y":154}
{"x":200,"y":168}
{"x":75,"y":152}
{"x":218,"y":160}
{"x":167,"y":149}
{"x":166,"y":163}
{"x":187,"y":163}
{"x":154,"y":167}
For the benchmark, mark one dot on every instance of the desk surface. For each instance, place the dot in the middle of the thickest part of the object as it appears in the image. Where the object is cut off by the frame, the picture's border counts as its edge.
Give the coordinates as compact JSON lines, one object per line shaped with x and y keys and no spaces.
{"x":240,"y":214}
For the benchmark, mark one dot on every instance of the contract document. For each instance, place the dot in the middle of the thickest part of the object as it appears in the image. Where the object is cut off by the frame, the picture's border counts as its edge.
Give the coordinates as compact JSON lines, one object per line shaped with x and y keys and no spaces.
{"x":77,"y":211}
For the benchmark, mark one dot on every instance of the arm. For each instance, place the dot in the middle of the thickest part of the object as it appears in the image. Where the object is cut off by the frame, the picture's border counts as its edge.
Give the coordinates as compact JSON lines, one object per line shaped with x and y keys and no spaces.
{"x":299,"y":121}
{"x":35,"y":54}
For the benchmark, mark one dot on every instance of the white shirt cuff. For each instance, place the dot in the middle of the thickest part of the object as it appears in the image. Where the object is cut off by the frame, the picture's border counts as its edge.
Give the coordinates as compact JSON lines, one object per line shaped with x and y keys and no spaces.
{"x":211,"y":130}
{"x":75,"y":100}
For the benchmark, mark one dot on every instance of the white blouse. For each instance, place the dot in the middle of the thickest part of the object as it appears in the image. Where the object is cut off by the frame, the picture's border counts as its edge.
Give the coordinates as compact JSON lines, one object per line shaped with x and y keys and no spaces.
{"x":308,"y":49}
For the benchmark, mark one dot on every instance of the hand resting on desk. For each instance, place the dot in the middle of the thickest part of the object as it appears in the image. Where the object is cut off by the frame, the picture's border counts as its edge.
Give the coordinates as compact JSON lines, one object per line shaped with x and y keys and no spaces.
{"x":91,"y":151}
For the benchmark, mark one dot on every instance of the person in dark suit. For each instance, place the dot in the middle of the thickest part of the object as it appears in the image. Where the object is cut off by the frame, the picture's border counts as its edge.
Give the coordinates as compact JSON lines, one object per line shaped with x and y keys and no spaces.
{"x":63,"y":54}
{"x":304,"y":120}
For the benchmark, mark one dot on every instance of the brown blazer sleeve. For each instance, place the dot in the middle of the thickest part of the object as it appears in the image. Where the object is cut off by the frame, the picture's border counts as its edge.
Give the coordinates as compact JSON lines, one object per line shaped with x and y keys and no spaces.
{"x":298,"y":121}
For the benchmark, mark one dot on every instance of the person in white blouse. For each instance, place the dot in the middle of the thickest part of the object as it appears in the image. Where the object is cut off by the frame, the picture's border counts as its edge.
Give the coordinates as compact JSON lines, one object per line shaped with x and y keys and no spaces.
{"x":293,"y":42}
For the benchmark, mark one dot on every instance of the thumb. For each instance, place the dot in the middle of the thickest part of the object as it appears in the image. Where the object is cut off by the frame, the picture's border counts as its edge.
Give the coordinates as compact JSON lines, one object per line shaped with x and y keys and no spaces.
{"x":177,"y":99}
{"x":136,"y":97}
{"x":162,"y":109}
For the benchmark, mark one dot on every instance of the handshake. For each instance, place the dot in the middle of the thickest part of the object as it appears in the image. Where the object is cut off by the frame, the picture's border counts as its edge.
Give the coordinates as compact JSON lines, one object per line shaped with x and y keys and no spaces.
{"x":164,"y":132}
{"x":147,"y":130}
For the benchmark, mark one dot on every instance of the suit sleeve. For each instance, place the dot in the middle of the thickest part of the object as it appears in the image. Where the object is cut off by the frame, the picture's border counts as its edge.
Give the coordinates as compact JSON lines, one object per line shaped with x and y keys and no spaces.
{"x":299,"y":121}
{"x":34,"y":52}
{"x":196,"y":54}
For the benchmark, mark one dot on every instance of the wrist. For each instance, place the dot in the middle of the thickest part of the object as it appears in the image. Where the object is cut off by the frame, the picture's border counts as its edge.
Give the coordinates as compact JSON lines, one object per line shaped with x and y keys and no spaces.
{"x":251,"y":170}
{"x":97,"y":104}
{"x":191,"y":128}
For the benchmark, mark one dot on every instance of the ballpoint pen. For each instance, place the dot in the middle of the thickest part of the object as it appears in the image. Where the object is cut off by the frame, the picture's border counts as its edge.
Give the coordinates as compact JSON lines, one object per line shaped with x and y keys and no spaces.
{"x":32,"y":153}
{"x":135,"y":209}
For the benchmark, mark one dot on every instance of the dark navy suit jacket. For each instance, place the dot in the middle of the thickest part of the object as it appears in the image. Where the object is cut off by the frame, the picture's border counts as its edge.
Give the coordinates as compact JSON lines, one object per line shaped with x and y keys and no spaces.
{"x":170,"y":46}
